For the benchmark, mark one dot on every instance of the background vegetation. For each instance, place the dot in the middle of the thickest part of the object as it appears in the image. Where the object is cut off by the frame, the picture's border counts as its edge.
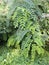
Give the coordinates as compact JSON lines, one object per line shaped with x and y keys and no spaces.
{"x":24,"y":32}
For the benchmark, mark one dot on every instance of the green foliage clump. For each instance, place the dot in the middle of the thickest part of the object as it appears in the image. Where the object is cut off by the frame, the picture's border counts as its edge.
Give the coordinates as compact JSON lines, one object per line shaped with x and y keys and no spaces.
{"x":24,"y":29}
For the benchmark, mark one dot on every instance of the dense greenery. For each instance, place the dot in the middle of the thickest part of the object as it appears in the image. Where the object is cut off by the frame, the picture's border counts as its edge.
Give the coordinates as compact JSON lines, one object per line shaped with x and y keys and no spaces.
{"x":24,"y":32}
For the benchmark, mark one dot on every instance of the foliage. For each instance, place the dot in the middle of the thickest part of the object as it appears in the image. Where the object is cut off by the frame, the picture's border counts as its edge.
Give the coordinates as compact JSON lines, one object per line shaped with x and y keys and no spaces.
{"x":22,"y":27}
